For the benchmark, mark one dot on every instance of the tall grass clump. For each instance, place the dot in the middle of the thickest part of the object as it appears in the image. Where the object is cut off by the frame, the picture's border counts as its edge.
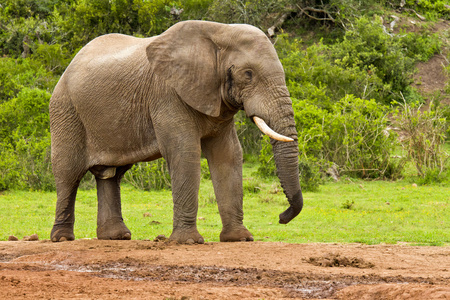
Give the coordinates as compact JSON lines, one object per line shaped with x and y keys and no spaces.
{"x":423,"y":139}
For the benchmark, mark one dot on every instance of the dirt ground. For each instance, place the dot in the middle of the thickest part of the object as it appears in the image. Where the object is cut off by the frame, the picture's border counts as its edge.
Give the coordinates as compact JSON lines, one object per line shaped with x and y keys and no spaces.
{"x":97,"y":269}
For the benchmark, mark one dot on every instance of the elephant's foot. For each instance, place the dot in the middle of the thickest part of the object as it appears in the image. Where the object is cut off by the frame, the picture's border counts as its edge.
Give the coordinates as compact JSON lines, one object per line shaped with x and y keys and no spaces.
{"x":62,"y":233}
{"x":236,"y":234}
{"x":187,"y":236}
{"x":113,"y":230}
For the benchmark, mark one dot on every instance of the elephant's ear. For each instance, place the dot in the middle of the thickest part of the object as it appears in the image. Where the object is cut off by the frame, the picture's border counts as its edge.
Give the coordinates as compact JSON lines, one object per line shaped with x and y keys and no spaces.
{"x":185,"y":57}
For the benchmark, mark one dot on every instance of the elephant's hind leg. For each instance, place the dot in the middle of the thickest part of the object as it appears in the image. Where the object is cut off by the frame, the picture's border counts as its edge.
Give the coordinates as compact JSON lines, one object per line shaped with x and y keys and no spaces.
{"x":68,"y":164}
{"x":110,"y":225}
{"x":67,"y":179}
{"x":65,"y":212}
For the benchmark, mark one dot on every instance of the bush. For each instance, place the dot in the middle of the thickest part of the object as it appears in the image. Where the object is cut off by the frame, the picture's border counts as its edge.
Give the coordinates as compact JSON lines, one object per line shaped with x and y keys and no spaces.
{"x":25,"y":142}
{"x":153,"y":175}
{"x":423,"y":139}
{"x":249,"y":135}
{"x":254,"y":12}
{"x":353,"y":135}
{"x":17,"y":74}
{"x":358,"y":140}
{"x":367,"y":63}
{"x":311,"y":75}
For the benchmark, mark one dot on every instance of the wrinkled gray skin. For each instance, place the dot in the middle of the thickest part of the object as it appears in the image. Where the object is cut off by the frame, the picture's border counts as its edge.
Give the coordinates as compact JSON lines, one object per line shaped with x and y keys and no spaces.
{"x":124,"y":100}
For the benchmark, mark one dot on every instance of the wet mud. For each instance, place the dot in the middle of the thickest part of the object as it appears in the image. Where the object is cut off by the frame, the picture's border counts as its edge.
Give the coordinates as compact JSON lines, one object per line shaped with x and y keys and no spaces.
{"x":162,"y":270}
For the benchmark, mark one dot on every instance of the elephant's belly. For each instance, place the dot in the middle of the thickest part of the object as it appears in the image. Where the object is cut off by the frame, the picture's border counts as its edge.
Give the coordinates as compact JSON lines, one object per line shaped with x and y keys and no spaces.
{"x":122,"y":152}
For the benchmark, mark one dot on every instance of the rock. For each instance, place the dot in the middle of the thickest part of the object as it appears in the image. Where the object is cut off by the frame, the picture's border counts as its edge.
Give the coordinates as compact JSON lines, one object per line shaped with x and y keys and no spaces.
{"x":31,"y":238}
{"x":160,"y":238}
{"x":333,"y":172}
{"x":414,"y":185}
{"x":147,"y":215}
{"x":12,"y":238}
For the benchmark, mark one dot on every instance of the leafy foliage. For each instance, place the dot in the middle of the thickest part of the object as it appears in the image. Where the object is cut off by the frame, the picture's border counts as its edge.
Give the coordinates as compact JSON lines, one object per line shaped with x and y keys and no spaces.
{"x":25,"y":142}
{"x":351,"y":135}
{"x":423,"y":139}
{"x":153,"y":175}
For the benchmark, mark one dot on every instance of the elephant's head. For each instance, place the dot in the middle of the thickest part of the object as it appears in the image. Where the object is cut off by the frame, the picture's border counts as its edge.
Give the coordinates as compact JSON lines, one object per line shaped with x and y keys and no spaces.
{"x":215,"y":67}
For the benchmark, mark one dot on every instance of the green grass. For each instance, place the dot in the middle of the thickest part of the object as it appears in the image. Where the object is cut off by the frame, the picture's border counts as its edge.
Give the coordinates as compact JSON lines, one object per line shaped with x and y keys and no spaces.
{"x":345,"y":212}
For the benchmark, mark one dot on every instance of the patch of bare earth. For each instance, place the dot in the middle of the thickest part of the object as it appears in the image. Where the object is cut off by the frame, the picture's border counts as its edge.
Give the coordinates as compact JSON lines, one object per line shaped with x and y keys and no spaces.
{"x":254,"y":270}
{"x":430,"y":77}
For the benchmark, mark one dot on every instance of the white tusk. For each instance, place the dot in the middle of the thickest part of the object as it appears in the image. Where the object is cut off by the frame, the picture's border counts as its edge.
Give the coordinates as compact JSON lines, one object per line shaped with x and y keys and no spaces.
{"x":269,"y":132}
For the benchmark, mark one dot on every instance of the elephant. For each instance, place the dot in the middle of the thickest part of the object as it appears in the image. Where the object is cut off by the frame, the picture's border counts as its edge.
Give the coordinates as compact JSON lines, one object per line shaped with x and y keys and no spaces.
{"x":125,"y":99}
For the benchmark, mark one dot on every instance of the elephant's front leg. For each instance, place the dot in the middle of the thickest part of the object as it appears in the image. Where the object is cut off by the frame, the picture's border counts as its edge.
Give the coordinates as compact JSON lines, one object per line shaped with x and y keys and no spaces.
{"x":184,"y":168}
{"x":224,"y":155}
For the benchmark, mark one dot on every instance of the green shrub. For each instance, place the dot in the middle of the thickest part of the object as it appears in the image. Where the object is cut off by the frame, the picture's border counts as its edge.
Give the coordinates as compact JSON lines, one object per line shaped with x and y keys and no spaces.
{"x":266,"y":162}
{"x":311,"y":173}
{"x":81,"y":21}
{"x":53,"y":57}
{"x":25,"y":141}
{"x":255,"y":12}
{"x":358,"y":138}
{"x":249,"y":135}
{"x":153,"y":175}
{"x":353,"y":135}
{"x":423,"y":140}
{"x":17,"y":74}
{"x":25,"y":116}
{"x":26,"y":165}
{"x":205,"y":169}
{"x":312,"y":75}
{"x":367,"y":47}
{"x":432,"y":8}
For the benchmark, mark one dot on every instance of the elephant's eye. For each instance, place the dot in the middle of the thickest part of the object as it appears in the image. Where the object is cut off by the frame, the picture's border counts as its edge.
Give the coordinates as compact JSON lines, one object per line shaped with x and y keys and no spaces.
{"x":249,"y":75}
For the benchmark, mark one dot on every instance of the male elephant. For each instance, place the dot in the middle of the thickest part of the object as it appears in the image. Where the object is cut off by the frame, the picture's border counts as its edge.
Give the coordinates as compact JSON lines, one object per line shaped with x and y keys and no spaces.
{"x":124,"y":100}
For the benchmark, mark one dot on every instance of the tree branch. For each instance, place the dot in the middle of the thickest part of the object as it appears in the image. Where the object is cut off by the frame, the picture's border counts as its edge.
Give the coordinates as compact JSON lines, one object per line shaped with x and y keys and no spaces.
{"x":278,"y":23}
{"x":304,"y":10}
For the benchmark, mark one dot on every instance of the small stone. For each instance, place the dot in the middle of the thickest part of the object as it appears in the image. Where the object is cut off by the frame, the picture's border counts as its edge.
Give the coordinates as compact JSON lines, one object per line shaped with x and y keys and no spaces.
{"x":31,"y":238}
{"x":201,"y":218}
{"x":12,"y":238}
{"x":414,"y":185}
{"x":160,"y":238}
{"x":148,"y":215}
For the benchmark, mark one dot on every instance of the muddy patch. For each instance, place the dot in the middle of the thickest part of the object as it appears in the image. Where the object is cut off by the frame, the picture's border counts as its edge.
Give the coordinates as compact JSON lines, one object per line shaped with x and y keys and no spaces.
{"x":160,"y":270}
{"x":336,"y":260}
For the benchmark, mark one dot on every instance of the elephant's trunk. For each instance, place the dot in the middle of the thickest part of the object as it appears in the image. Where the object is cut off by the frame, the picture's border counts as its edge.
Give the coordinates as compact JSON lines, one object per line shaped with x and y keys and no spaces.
{"x":286,"y":158}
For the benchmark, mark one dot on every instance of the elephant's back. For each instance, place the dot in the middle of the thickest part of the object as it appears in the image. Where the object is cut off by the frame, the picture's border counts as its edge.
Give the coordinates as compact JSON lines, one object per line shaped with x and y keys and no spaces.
{"x":104,"y":63}
{"x":108,"y":51}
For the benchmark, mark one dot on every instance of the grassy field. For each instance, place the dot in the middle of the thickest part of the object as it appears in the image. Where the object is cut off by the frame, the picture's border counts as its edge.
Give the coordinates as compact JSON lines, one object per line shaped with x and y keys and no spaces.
{"x":344,"y":212}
